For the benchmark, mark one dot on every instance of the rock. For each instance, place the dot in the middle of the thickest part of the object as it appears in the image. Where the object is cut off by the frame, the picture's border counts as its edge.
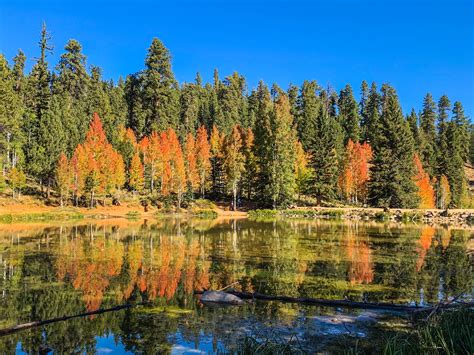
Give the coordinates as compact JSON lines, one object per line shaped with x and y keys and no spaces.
{"x":220,"y":297}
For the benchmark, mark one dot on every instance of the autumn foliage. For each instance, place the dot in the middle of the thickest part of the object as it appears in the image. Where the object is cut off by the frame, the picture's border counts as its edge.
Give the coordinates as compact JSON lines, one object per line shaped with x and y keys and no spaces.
{"x":355,"y":173}
{"x":425,"y":189}
{"x":95,"y":167}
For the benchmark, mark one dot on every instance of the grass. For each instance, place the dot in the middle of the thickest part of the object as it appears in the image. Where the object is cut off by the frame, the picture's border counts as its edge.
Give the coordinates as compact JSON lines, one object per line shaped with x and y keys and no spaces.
{"x":252,"y":345}
{"x":205,"y":214}
{"x":449,"y":332}
{"x":36,"y":217}
{"x":133,"y":215}
{"x":267,"y":214}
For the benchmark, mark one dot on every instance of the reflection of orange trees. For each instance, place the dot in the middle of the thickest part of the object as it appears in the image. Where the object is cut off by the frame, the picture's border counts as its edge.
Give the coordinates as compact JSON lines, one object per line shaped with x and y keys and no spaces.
{"x":166,"y":265}
{"x":360,"y":260}
{"x":90,"y":267}
{"x":424,"y":245}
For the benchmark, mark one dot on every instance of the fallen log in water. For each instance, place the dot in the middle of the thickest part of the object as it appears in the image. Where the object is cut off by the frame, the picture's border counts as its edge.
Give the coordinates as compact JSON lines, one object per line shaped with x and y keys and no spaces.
{"x":34,"y":324}
{"x":343,"y":303}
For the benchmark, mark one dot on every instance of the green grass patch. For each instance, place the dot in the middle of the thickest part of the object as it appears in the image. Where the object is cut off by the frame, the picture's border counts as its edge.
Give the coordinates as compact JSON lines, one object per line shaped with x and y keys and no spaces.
{"x":37,"y":217}
{"x":264,"y":214}
{"x":449,"y":332}
{"x":205,"y":213}
{"x":133,"y":215}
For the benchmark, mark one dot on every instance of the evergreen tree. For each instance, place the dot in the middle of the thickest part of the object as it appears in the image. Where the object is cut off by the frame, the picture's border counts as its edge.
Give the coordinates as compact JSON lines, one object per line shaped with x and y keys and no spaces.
{"x":18,"y":71}
{"x":348,"y":115}
{"x":283,"y":141}
{"x":325,"y":148}
{"x":442,"y":140}
{"x":428,"y":135}
{"x":371,"y":116}
{"x":160,"y":89}
{"x":462,"y":122}
{"x":73,"y":78}
{"x":391,"y":183}
{"x":413,"y":123}
{"x":308,"y":107}
{"x":232,"y":102}
{"x":136,"y":113}
{"x":263,"y":138}
{"x":10,"y":118}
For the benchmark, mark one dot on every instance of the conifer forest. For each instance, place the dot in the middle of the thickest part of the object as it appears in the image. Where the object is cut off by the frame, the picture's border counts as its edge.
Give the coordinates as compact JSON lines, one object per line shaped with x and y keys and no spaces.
{"x":82,"y":140}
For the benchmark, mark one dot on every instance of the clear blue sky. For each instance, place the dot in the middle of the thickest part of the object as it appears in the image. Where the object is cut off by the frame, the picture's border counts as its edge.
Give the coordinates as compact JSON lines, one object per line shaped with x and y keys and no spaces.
{"x":417,"y":46}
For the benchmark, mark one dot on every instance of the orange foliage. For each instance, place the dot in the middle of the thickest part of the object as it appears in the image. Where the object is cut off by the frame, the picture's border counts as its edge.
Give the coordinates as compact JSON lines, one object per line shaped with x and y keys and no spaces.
{"x":361,"y":268}
{"x":191,"y":163}
{"x":355,"y":173}
{"x":203,"y":155}
{"x":426,"y":238}
{"x":136,"y":179}
{"x":97,"y":160}
{"x":422,"y":181}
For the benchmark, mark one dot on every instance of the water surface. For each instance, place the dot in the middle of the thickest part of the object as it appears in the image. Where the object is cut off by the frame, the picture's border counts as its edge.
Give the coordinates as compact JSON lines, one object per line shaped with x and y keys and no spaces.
{"x":48,"y":271}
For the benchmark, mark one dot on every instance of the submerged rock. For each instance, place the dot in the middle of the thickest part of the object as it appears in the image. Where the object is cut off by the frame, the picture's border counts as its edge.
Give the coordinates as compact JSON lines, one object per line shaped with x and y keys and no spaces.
{"x":220,"y":297}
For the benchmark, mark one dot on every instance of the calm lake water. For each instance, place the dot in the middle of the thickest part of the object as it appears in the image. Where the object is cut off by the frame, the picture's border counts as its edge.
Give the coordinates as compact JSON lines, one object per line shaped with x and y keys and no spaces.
{"x":48,"y":271}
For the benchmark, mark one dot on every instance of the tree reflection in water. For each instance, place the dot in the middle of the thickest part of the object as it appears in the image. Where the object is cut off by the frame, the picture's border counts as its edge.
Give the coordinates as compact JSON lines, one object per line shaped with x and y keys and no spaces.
{"x":46,"y":272}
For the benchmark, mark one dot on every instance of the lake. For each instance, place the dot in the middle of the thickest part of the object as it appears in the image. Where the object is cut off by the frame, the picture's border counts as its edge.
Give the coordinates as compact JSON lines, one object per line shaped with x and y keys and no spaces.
{"x":49,"y":271}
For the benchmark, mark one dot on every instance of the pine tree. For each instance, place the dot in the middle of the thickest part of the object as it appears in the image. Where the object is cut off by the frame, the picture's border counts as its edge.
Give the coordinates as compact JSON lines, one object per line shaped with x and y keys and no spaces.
{"x":73,"y":78}
{"x":248,"y":149}
{"x":232,"y":103}
{"x":462,"y":123}
{"x":371,"y":116}
{"x":444,"y":106}
{"x":10,"y":118}
{"x":391,"y":183}
{"x":160,"y":89}
{"x":413,"y":123}
{"x":283,"y":141}
{"x":428,"y":135}
{"x":308,"y":108}
{"x":324,"y":148}
{"x":348,"y":115}
{"x":263,"y":138}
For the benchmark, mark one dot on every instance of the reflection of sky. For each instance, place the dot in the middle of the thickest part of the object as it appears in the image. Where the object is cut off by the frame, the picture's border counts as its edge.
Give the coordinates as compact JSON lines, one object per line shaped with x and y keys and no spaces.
{"x":202,"y":346}
{"x":107,"y":345}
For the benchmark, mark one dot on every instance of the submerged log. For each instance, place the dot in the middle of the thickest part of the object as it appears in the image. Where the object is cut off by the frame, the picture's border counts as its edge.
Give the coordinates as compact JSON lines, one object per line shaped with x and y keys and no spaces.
{"x":34,"y":324}
{"x":341,"y":303}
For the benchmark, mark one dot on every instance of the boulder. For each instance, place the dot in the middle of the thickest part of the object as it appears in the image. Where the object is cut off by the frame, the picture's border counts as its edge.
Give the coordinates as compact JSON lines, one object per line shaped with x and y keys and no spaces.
{"x":220,"y":297}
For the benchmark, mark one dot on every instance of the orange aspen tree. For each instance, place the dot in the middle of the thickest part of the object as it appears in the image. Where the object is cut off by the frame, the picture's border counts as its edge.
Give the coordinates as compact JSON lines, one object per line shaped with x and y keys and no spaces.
{"x":96,"y":166}
{"x":216,"y":141}
{"x":248,"y":139}
{"x":135,"y":175}
{"x":190,"y":162}
{"x":355,"y":173}
{"x":203,"y":156}
{"x":425,"y":189}
{"x":233,"y":160}
{"x":177,"y":171}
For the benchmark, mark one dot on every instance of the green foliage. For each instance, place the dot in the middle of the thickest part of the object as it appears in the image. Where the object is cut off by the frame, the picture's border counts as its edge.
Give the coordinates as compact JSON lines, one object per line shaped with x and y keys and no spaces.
{"x":391,"y":183}
{"x":449,"y":332}
{"x":133,"y":215}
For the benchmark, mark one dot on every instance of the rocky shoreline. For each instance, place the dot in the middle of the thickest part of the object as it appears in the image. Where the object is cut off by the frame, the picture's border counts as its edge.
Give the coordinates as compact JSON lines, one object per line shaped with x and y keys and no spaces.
{"x":448,"y":217}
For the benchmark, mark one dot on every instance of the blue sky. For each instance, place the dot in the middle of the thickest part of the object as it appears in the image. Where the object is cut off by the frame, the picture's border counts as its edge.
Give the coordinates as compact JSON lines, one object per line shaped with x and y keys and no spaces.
{"x":417,"y":46}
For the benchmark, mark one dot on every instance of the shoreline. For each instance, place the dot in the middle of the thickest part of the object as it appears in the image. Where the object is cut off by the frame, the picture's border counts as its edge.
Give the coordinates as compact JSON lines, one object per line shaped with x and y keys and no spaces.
{"x":20,"y":213}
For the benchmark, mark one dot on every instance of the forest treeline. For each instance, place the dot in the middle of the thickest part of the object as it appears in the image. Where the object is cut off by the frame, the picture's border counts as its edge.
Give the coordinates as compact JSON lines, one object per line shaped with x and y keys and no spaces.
{"x":68,"y":129}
